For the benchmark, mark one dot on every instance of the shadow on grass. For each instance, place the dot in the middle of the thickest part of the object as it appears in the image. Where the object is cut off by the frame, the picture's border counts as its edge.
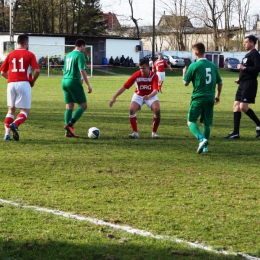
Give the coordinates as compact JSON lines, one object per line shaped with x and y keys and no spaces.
{"x":112,"y":250}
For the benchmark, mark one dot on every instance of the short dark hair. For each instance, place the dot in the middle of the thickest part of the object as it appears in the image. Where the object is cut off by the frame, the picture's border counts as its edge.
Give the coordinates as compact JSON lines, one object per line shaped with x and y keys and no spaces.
{"x":144,"y":62}
{"x":199,"y":47}
{"x":22,"y":39}
{"x":80,"y":42}
{"x":251,"y":38}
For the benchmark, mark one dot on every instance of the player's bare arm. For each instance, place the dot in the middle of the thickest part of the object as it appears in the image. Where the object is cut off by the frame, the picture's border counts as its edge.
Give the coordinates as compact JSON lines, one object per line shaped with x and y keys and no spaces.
{"x":85,"y":77}
{"x":146,"y":97}
{"x":118,"y":93}
{"x":218,"y":92}
{"x":240,"y":67}
{"x":184,"y":71}
{"x":36,"y":74}
{"x":4,"y":74}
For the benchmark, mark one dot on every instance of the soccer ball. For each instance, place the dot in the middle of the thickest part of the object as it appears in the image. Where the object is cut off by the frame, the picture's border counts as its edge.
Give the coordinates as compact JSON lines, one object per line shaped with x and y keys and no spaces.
{"x":93,"y":133}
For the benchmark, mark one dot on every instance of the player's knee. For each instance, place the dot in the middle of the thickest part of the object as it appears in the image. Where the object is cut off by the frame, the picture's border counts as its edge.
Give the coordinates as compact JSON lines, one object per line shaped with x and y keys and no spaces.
{"x":236,"y":107}
{"x":157,"y":111}
{"x":83,"y":105}
{"x":11,"y":110}
{"x":132,"y":111}
{"x":243,"y":107}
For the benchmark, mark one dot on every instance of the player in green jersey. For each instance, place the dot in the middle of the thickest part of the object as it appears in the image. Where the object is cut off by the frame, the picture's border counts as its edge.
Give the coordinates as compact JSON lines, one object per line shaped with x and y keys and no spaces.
{"x":73,"y":71}
{"x":204,"y":76}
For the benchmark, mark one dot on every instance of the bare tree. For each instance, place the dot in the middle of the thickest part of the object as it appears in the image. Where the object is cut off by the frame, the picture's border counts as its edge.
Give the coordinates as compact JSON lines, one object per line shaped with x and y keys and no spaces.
{"x":228,"y":11}
{"x":135,"y":21}
{"x":177,"y":22}
{"x":242,"y":8}
{"x":3,"y":15}
{"x":210,"y":12}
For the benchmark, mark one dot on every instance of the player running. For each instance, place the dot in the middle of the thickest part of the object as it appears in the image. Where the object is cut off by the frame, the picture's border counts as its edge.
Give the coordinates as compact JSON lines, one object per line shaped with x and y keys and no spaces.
{"x":16,"y":68}
{"x":146,"y":83}
{"x":204,"y":76}
{"x":74,"y":69}
{"x":159,"y":66}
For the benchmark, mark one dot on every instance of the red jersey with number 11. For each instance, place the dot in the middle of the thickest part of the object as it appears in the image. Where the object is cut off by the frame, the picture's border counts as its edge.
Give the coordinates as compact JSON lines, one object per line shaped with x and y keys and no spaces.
{"x":145,"y":85}
{"x":18,"y":64}
{"x":159,"y":65}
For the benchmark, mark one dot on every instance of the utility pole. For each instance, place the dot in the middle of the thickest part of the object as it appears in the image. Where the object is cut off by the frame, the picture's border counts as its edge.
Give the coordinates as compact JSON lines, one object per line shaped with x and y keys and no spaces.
{"x":11,"y":25}
{"x":153,"y":38}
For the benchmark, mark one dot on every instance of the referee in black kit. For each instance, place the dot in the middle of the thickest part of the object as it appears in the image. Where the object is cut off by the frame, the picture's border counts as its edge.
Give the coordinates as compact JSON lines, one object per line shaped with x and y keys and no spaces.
{"x":247,"y":87}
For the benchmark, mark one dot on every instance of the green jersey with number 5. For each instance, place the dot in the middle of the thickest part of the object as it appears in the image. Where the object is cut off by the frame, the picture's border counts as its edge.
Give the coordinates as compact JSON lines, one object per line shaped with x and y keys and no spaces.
{"x":73,"y":64}
{"x":204,"y":76}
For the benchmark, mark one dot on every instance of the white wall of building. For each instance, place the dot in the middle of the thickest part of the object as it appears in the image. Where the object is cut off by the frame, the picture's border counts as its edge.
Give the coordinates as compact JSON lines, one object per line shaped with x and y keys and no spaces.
{"x":119,"y":47}
{"x":4,"y":38}
{"x":47,"y":46}
{"x":40,"y":46}
{"x":47,"y":40}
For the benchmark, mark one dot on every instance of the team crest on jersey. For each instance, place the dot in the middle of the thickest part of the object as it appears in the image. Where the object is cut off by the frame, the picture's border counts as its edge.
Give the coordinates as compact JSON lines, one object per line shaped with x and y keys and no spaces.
{"x":145,"y":87}
{"x":244,"y":60}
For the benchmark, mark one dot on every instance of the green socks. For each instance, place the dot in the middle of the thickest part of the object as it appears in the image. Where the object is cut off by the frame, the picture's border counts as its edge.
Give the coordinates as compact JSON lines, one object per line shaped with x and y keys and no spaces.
{"x":206,"y":131}
{"x":195,"y":130}
{"x":71,"y":119}
{"x":67,"y":116}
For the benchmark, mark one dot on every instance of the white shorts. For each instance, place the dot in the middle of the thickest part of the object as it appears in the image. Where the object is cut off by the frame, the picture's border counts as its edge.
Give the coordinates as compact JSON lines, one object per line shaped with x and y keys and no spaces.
{"x":19,"y":94}
{"x":161,"y":76}
{"x":139,"y":100}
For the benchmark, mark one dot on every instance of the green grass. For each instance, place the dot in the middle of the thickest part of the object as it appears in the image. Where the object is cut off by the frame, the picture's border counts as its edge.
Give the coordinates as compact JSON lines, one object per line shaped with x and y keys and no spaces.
{"x":161,"y":186}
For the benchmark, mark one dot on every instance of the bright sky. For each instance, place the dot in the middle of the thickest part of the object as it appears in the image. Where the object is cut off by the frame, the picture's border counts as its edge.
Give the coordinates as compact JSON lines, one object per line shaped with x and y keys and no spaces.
{"x":143,"y":10}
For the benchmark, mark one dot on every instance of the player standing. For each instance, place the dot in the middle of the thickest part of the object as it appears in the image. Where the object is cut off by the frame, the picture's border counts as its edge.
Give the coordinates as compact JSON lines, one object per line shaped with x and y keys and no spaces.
{"x":204,"y":76}
{"x":16,"y":68}
{"x":74,"y":69}
{"x":159,"y":66}
{"x":247,"y":88}
{"x":146,"y":89}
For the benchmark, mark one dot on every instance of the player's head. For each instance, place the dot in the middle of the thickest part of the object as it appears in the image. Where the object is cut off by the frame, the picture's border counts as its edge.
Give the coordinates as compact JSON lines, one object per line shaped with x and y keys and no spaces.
{"x":23,"y":40}
{"x":250,"y":42}
{"x":198,"y":49}
{"x":144,"y":67}
{"x":80,"y":42}
{"x":251,"y":38}
{"x":159,"y":56}
{"x":80,"y":45}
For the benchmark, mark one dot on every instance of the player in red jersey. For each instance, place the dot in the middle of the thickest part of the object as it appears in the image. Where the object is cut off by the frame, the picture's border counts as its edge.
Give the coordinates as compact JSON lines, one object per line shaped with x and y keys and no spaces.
{"x":159,"y":66}
{"x":16,"y":68}
{"x":146,"y":83}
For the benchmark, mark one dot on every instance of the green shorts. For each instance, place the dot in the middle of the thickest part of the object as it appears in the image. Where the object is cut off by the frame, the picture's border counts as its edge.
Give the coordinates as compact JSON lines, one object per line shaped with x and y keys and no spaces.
{"x":201,"y":107}
{"x":73,"y":91}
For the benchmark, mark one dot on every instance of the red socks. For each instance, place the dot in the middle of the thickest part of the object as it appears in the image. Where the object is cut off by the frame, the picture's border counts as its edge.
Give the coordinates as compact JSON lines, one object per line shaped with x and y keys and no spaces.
{"x":133,"y":122}
{"x":8,"y":120}
{"x":21,"y":117}
{"x":156,"y":122}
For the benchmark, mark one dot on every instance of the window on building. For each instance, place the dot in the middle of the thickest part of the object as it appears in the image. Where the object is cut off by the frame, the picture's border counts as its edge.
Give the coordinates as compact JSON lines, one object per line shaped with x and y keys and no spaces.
{"x":8,"y":47}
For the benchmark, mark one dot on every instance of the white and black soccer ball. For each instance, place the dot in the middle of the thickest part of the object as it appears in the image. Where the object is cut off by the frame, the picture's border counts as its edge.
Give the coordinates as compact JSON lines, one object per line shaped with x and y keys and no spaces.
{"x":93,"y":133}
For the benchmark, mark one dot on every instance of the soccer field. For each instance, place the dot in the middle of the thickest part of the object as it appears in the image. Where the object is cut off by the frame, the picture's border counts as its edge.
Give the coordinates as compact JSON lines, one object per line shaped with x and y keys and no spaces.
{"x":191,"y":206}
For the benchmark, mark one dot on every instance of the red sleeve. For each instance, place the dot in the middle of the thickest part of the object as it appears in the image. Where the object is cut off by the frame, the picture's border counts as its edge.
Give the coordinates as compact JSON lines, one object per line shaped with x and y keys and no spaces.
{"x":155,"y":82}
{"x":34,"y":62}
{"x":131,"y":80}
{"x":5,"y":65}
{"x":154,"y":64}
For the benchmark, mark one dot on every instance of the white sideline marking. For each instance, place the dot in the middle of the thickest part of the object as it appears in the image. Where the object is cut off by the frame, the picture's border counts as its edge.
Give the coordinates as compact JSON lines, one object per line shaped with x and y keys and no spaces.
{"x":126,"y":228}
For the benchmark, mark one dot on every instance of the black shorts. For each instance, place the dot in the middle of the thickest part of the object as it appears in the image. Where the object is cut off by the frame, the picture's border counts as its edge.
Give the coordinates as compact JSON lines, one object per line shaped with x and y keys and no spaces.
{"x":246,"y":91}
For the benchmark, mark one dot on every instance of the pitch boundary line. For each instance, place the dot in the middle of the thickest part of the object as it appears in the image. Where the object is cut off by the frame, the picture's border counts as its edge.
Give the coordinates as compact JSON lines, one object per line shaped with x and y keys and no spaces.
{"x":128,"y":229}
